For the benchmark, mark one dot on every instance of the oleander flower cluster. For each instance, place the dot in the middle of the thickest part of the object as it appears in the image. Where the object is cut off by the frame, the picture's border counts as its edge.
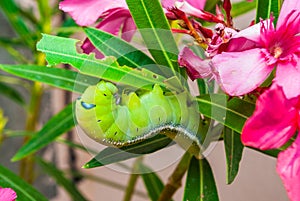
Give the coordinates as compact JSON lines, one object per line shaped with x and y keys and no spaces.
{"x":240,"y":61}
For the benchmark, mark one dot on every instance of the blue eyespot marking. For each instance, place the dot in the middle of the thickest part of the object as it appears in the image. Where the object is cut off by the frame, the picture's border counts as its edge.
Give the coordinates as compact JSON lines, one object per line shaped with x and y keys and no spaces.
{"x":87,"y":105}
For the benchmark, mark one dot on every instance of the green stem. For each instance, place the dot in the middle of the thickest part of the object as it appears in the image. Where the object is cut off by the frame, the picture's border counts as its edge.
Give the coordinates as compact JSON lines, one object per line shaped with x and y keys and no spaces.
{"x":174,"y":181}
{"x":45,"y":13}
{"x":29,"y":16}
{"x":132,"y":180}
{"x":27,"y":164}
{"x":14,"y":53}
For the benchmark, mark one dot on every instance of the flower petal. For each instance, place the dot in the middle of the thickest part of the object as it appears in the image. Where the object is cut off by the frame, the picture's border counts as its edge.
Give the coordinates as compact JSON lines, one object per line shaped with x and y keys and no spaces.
{"x":114,"y":20}
{"x":288,"y":76}
{"x":196,"y":67}
{"x":88,"y":11}
{"x":7,"y":194}
{"x":112,"y":23}
{"x":128,"y":29}
{"x":287,"y":7}
{"x":273,"y":122}
{"x":288,"y":167}
{"x":239,"y":73}
{"x":199,"y":4}
{"x":168,"y":3}
{"x":248,"y":38}
{"x":88,"y":48}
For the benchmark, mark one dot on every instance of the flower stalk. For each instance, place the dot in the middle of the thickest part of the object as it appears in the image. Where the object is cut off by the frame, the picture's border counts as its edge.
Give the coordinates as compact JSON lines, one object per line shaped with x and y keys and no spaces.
{"x":174,"y":181}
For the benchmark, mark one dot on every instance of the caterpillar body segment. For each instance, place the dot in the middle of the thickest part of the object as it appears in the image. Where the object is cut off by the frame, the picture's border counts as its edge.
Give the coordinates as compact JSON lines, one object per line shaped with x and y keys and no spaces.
{"x":121,"y":120}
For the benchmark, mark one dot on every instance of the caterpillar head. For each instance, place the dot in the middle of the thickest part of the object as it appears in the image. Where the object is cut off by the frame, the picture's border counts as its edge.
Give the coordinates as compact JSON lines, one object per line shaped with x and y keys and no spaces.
{"x":99,"y":94}
{"x":96,"y":104}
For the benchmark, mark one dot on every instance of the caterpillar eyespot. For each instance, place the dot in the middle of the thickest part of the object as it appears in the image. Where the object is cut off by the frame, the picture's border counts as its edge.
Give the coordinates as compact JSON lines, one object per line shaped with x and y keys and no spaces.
{"x":121,"y":119}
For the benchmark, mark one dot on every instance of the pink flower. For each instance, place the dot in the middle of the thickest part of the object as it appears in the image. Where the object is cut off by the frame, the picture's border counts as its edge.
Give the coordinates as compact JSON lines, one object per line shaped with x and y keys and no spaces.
{"x":196,"y":67}
{"x":191,"y":7}
{"x":114,"y":13}
{"x":7,"y":194}
{"x":253,"y":53}
{"x":188,"y":6}
{"x":87,"y":12}
{"x":275,"y":121}
{"x":112,"y":23}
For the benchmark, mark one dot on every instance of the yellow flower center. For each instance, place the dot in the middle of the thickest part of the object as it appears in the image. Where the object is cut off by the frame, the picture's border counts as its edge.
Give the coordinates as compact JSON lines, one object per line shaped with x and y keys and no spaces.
{"x":277,"y":51}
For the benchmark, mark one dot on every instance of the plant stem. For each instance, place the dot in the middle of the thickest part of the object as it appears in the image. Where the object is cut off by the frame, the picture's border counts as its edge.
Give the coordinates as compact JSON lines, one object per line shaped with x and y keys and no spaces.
{"x":174,"y":181}
{"x":132,"y":180}
{"x":27,"y":164}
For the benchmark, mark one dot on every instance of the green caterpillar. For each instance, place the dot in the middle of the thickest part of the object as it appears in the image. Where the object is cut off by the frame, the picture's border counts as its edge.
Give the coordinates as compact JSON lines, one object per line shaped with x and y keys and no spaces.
{"x":127,"y":118}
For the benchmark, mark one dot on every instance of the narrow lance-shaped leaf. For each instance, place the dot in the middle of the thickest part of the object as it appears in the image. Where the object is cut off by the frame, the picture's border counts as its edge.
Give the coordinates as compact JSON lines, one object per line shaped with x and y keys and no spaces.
{"x":113,"y":155}
{"x":110,"y":45}
{"x":57,"y":77}
{"x":25,"y":192}
{"x":56,"y":126}
{"x":234,"y":151}
{"x":155,"y":30}
{"x":107,"y":68}
{"x":232,"y":114}
{"x":242,"y":7}
{"x":210,"y":5}
{"x":200,"y":183}
{"x":61,"y":180}
{"x":11,"y":93}
{"x":13,"y":14}
{"x":264,"y":8}
{"x":153,"y":183}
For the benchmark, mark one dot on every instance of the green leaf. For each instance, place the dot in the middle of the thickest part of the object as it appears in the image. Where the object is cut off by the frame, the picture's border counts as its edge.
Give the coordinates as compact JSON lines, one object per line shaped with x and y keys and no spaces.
{"x":112,"y":155}
{"x":13,"y":14}
{"x":153,"y":183}
{"x":11,"y":93}
{"x":60,"y":179}
{"x":111,"y":45}
{"x":232,"y":114}
{"x":210,"y":5}
{"x":107,"y":68}
{"x":273,"y":152}
{"x":57,"y":77}
{"x":25,"y":192}
{"x":234,"y":151}
{"x":264,"y":8}
{"x":155,"y":30}
{"x":56,"y":126}
{"x":242,"y":7}
{"x":68,"y":28}
{"x":200,"y":183}
{"x":74,"y":145}
{"x":275,"y":9}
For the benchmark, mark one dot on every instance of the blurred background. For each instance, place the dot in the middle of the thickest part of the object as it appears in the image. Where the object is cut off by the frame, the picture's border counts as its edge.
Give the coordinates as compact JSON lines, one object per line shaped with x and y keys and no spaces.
{"x":257,"y":179}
